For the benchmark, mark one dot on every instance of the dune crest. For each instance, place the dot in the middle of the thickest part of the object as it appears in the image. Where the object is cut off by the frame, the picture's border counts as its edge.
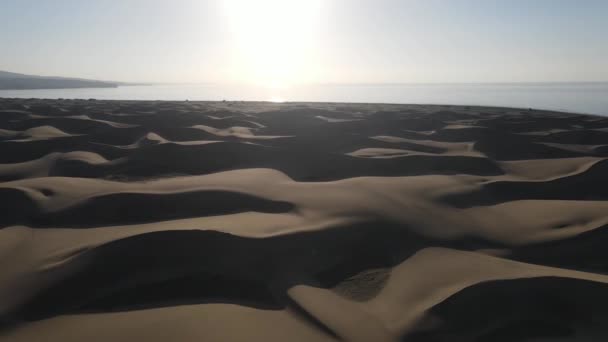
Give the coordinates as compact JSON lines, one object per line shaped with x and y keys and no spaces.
{"x":189,"y":221}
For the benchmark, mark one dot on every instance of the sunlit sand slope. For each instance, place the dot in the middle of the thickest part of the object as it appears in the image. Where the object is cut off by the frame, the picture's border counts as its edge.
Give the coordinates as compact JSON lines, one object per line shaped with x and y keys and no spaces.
{"x":194,"y":221}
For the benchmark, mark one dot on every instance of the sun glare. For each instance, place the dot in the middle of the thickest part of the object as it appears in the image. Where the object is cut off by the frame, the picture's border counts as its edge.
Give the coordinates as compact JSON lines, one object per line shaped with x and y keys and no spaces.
{"x":273,"y":40}
{"x":277,"y":99}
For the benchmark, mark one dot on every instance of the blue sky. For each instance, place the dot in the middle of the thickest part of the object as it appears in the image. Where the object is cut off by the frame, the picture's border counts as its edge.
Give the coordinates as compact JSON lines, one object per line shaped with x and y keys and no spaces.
{"x":307,"y":41}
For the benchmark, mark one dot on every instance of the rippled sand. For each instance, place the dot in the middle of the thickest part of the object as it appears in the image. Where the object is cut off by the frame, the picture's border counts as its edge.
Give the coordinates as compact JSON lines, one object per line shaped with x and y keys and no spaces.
{"x":202,"y":221}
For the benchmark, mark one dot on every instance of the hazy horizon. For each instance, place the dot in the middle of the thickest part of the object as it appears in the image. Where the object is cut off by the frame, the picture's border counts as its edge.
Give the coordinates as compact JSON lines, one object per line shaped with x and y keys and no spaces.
{"x":285,"y":42}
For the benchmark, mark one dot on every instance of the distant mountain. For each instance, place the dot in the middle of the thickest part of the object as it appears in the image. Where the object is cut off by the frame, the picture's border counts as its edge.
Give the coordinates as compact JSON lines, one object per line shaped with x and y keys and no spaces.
{"x":11,"y":80}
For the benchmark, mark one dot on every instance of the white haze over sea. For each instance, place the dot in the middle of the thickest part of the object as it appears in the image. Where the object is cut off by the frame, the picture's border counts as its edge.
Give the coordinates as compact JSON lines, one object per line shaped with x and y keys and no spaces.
{"x":591,"y":98}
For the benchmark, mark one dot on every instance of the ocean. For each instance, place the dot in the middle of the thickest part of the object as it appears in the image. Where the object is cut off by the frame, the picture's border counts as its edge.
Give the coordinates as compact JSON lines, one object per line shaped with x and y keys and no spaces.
{"x":591,"y":98}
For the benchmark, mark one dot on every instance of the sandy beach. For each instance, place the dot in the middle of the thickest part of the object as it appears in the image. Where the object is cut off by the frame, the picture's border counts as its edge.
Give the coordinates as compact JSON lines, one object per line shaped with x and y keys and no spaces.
{"x":258,"y":221}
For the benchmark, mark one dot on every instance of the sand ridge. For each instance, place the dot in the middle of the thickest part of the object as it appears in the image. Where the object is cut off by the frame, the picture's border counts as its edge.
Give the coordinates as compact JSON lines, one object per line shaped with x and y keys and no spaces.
{"x":128,"y":220}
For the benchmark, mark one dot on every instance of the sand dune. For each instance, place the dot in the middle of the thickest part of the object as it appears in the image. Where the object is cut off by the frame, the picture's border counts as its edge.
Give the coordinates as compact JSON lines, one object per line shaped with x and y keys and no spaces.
{"x":189,"y":221}
{"x":37,"y":133}
{"x":50,"y":164}
{"x":239,"y":132}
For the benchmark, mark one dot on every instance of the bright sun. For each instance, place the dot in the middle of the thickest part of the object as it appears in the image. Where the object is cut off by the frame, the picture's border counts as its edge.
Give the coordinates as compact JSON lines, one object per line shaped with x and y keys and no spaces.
{"x":273,"y":40}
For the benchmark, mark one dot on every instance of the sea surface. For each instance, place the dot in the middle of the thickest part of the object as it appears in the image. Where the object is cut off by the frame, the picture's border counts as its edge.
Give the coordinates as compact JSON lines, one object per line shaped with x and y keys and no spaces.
{"x":589,"y":98}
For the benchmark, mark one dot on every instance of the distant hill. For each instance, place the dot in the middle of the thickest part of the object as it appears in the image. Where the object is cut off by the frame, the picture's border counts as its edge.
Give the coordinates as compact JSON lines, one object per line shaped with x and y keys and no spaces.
{"x":11,"y":80}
